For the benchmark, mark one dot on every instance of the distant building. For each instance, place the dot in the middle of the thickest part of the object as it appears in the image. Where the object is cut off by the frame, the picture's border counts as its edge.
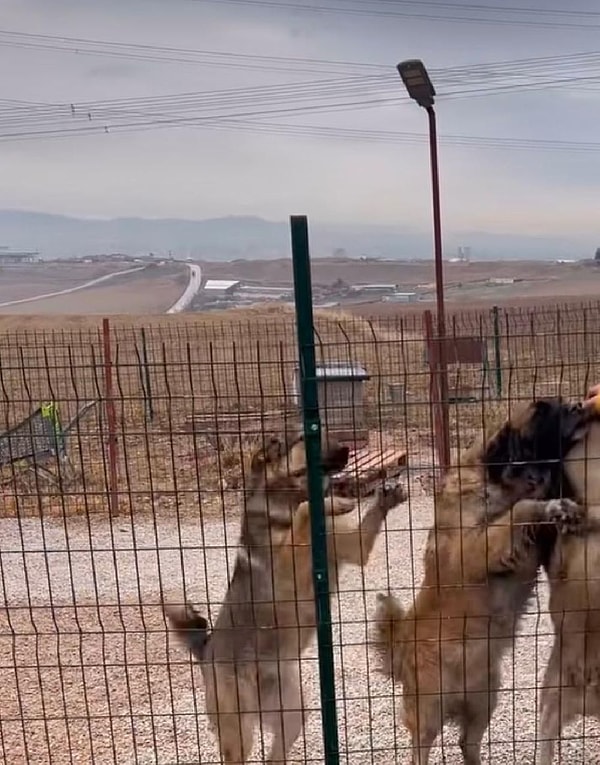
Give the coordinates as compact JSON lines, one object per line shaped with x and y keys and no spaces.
{"x":503,"y":280}
{"x":216,"y":288}
{"x":376,"y":288}
{"x":10,"y":258}
{"x":256,"y":292}
{"x":401,"y":297}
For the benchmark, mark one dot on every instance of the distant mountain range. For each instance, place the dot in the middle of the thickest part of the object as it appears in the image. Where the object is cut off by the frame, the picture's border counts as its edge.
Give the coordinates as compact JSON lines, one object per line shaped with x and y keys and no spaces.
{"x":255,"y":238}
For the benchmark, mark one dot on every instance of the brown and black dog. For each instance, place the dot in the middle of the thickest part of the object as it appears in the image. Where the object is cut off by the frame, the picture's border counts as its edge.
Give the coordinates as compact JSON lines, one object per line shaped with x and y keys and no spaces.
{"x":493,"y":528}
{"x":571,"y":686}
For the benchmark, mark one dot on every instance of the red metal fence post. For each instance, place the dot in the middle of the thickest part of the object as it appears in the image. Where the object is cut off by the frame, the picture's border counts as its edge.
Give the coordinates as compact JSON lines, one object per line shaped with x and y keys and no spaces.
{"x":441,"y":419}
{"x":111,"y":418}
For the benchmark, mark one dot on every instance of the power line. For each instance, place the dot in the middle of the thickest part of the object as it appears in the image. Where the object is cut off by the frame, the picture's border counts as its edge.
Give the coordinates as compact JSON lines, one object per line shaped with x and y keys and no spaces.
{"x":388,"y":136}
{"x":176,"y":109}
{"x":331,"y":133}
{"x":489,"y":8}
{"x":161,"y":53}
{"x":155,"y":53}
{"x":357,"y":91}
{"x":354,"y":91}
{"x":355,"y":8}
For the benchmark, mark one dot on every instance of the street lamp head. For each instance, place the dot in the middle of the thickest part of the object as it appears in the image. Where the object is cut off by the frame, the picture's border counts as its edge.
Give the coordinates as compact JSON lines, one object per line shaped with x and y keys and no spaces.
{"x":417,"y":82}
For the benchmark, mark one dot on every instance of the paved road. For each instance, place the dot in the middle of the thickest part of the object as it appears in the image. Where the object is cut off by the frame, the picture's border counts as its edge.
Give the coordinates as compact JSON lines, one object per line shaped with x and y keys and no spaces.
{"x":190,"y":291}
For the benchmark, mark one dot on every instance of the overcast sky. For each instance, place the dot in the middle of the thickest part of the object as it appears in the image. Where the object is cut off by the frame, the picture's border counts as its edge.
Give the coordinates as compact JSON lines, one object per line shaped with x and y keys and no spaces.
{"x":199,"y":172}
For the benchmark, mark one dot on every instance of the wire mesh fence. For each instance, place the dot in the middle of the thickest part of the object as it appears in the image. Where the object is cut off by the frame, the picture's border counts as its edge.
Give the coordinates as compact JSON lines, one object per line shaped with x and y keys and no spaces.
{"x":145,"y":510}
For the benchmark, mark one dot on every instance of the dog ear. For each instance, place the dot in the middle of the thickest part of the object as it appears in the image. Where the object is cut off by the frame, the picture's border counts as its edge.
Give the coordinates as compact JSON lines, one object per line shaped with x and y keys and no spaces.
{"x":568,"y":421}
{"x":272,"y":451}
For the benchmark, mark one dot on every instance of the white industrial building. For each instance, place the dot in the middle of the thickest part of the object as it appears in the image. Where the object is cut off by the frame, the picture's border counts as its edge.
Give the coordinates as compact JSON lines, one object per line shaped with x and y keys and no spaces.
{"x":216,"y":288}
{"x":401,"y":297}
{"x":9,"y":257}
{"x":378,"y":288}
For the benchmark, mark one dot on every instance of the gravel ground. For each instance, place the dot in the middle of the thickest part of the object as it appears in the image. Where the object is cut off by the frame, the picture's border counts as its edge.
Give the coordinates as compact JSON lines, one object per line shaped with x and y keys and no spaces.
{"x":93,"y":679}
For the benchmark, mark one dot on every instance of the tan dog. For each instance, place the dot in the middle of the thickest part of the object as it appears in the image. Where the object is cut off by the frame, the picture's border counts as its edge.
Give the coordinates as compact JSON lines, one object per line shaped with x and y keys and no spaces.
{"x":571,"y":686}
{"x":250,"y":661}
{"x":481,"y":565}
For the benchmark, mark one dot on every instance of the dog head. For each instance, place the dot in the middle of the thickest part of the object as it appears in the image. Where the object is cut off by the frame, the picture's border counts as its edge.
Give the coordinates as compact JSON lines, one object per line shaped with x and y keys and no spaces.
{"x":524,"y":457}
{"x":283,"y":459}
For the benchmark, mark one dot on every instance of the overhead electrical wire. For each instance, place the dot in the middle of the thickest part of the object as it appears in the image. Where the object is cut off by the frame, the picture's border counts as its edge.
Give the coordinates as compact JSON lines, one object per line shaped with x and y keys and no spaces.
{"x":364,"y":136}
{"x":319,"y":131}
{"x":487,"y":7}
{"x":574,"y":70}
{"x":378,"y":85}
{"x":17,"y":120}
{"x":388,"y":136}
{"x":490,"y":15}
{"x":156,"y":53}
{"x":170,"y":54}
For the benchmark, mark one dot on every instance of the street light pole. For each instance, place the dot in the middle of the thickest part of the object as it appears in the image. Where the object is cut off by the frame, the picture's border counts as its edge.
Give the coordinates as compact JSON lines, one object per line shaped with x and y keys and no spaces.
{"x":420,"y":88}
{"x":437,"y":223}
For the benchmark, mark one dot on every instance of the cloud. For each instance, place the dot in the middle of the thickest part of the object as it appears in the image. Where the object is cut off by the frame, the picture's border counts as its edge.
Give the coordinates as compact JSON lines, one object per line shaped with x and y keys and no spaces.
{"x":202,"y":172}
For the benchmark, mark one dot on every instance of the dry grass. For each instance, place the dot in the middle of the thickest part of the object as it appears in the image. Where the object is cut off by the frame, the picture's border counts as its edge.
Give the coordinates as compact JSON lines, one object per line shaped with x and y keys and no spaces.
{"x":221,"y":372}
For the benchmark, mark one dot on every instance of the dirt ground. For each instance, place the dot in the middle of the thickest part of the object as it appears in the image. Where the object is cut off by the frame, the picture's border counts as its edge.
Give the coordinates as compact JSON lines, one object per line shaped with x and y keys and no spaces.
{"x":467,"y":285}
{"x":17,"y":282}
{"x":146,"y":292}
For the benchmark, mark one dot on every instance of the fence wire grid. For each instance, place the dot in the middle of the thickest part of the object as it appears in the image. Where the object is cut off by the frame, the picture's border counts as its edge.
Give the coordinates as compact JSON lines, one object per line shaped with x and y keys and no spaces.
{"x":144,"y":507}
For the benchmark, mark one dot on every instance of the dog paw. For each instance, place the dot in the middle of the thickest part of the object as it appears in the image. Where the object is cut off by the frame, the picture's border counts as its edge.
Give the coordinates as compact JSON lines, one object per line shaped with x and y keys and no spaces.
{"x":391,"y":493}
{"x":566,"y":514}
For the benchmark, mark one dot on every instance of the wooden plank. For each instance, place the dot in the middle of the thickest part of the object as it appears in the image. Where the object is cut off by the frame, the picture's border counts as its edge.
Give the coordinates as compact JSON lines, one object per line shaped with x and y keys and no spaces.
{"x":367,"y":467}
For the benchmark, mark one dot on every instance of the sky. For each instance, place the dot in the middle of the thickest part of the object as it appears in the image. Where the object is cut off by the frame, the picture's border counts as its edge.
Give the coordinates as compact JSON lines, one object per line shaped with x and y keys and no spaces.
{"x":199,"y":170}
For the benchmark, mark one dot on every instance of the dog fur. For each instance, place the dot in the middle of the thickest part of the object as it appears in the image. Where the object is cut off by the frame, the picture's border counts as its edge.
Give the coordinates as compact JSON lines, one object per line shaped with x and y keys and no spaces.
{"x":492,"y":530}
{"x":251,"y":660}
{"x":571,"y":686}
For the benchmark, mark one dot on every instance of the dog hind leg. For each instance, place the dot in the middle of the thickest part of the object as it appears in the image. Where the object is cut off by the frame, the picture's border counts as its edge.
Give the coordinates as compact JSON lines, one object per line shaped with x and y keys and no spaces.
{"x":231,"y":708}
{"x":286,"y":711}
{"x":424,"y":725}
{"x":422,"y":742}
{"x":479,"y":708}
{"x":559,"y":706}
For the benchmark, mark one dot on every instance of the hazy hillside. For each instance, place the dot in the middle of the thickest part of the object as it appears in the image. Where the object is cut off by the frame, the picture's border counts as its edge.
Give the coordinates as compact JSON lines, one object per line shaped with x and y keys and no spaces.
{"x":250,"y":237}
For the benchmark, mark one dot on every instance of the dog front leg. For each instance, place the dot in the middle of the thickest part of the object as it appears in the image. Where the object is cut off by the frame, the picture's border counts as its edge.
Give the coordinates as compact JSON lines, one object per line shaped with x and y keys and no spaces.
{"x":355,"y":545}
{"x":506,"y":544}
{"x":332,"y":505}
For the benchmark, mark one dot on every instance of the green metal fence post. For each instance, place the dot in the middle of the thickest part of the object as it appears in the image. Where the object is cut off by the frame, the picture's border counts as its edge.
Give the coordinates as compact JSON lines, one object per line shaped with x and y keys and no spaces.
{"x":148,"y":391}
{"x":497,"y":355}
{"x":312,"y":433}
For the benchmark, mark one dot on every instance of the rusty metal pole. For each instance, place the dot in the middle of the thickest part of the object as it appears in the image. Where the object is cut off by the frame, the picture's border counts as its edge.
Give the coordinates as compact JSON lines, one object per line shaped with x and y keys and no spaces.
{"x":418,"y":84}
{"x":111,"y":418}
{"x":439,"y":292}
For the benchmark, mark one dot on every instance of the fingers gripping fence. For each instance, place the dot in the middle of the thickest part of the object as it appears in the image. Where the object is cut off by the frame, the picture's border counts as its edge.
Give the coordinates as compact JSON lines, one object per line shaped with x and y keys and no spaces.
{"x":90,"y":671}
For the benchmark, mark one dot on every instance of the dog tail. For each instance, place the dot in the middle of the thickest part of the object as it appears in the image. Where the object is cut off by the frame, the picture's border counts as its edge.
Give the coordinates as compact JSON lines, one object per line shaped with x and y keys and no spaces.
{"x":389,"y":616}
{"x":191,"y":628}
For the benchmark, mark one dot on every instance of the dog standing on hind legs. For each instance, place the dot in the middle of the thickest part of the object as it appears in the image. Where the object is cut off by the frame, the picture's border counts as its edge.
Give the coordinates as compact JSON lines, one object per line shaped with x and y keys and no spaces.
{"x":251,"y":660}
{"x":492,"y":523}
{"x":571,"y":685}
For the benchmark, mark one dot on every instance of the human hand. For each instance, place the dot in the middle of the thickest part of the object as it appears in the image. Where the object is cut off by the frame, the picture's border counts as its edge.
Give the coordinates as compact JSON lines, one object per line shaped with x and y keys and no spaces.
{"x":592,"y":394}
